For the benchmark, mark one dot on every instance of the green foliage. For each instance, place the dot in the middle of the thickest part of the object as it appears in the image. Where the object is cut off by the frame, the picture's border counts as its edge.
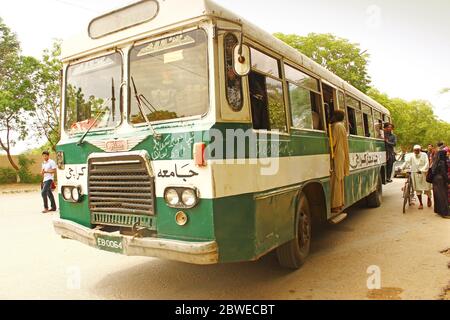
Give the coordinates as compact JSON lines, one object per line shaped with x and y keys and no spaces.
{"x":17,"y":90}
{"x":336,"y":54}
{"x":24,"y":172}
{"x":415,"y":121}
{"x":7,"y":175}
{"x":46,"y":121}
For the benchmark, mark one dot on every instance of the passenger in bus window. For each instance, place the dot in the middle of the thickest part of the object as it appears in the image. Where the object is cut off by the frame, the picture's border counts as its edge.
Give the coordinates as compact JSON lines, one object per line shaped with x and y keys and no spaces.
{"x":379,"y":129}
{"x":341,"y":161}
{"x":258,"y":96}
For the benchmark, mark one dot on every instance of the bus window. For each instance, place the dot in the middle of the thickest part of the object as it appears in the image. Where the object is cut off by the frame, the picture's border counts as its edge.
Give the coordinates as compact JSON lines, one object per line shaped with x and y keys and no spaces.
{"x":316,"y":111}
{"x":379,"y":133}
{"x":305,"y":100}
{"x":258,"y":96}
{"x":89,"y":86}
{"x":301,"y":107}
{"x":352,"y":121}
{"x":356,"y":124}
{"x":341,"y":100}
{"x":359,"y":123}
{"x":368,"y":121}
{"x":172,"y":76}
{"x":268,"y":110}
{"x":277,"y":112}
{"x":266,"y":92}
{"x":264,"y":63}
{"x":233,"y":81}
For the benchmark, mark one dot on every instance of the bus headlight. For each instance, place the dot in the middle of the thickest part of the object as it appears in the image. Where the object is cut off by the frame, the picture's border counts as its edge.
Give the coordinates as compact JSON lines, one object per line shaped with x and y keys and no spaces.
{"x":181,"y":198}
{"x":67,"y":193}
{"x":171,"y":196}
{"x":189,"y":197}
{"x":71,"y":193}
{"x":76,"y":194}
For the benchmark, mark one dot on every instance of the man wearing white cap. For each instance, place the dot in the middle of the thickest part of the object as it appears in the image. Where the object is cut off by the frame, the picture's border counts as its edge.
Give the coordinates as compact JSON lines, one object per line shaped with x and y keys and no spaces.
{"x":419,"y":164}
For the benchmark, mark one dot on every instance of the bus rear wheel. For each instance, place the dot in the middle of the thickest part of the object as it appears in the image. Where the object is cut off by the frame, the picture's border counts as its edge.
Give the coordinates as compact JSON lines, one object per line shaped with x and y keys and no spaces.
{"x":293,"y":254}
{"x":375,"y":199}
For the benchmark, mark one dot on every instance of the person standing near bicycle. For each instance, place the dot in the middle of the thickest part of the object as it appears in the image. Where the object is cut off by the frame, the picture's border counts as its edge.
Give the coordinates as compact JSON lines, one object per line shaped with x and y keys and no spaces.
{"x":419,"y":164}
{"x":391,"y":142}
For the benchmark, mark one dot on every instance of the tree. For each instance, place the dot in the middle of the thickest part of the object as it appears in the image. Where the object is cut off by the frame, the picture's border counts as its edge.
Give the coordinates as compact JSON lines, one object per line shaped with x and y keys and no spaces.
{"x":17,"y":91}
{"x":415,"y":121}
{"x":46,"y":122}
{"x":336,"y":54}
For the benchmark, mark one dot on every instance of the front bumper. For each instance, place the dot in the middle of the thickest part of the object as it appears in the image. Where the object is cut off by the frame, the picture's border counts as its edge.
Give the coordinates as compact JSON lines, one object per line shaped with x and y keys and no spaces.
{"x":201,"y":253}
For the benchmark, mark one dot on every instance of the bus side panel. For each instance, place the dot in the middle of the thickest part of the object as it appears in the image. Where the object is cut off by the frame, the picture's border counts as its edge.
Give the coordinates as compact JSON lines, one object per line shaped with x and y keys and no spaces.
{"x":234,"y":223}
{"x":363,"y":178}
{"x":275,"y":221}
{"x":246,"y":228}
{"x":361,"y":184}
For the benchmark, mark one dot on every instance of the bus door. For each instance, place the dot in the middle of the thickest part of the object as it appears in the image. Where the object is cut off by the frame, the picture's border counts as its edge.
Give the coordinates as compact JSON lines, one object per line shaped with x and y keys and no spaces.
{"x":329,"y":99}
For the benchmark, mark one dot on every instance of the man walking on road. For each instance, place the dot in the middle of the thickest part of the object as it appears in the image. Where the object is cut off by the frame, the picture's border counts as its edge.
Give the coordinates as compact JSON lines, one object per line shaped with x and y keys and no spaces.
{"x":48,"y":172}
{"x":391,"y":142}
{"x":419,"y":164}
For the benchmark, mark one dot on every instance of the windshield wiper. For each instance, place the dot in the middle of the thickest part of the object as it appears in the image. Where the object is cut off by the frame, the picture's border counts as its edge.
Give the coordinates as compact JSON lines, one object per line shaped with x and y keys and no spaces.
{"x":100,"y":113}
{"x":113,"y":100}
{"x":140,"y":99}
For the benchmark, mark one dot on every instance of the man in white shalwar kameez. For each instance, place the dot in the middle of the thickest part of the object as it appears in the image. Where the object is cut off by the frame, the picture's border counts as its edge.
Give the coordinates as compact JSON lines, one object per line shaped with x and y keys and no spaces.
{"x":419,"y":164}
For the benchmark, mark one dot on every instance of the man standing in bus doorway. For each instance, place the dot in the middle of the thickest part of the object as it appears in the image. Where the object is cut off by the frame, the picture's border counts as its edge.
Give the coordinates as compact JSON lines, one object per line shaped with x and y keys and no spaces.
{"x":341,"y":161}
{"x":391,"y":142}
{"x":419,"y":164}
{"x":48,"y":172}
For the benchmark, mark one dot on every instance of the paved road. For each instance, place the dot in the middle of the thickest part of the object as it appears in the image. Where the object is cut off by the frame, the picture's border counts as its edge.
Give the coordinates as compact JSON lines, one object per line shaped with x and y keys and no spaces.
{"x":36,"y":264}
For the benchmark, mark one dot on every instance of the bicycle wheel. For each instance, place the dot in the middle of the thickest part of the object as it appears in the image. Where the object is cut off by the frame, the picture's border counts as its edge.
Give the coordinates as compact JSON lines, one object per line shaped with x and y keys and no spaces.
{"x":406,"y":196}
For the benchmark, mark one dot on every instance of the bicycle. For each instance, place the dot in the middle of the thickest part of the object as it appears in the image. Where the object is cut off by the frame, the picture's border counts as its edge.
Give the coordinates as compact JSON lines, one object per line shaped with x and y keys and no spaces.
{"x":408,"y":191}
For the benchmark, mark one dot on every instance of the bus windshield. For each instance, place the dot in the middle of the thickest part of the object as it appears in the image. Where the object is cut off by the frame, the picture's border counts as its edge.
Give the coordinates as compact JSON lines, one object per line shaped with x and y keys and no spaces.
{"x":92,"y":94}
{"x":171,"y":76}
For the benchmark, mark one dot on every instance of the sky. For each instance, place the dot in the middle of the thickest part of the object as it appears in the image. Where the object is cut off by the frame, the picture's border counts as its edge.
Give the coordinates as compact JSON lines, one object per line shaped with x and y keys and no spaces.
{"x":408,"y":40}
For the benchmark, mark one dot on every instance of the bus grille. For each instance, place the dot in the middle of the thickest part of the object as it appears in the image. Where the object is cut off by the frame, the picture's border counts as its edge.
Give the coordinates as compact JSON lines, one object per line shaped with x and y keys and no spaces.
{"x":123,"y":220}
{"x":119,"y":186}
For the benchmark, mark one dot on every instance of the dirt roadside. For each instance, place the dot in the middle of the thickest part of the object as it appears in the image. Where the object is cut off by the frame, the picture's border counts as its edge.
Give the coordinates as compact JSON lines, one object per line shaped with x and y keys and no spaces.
{"x":17,"y":188}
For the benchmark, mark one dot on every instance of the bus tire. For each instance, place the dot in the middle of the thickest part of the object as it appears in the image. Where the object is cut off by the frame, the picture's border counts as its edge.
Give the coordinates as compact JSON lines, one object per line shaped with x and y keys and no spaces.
{"x":375,"y":199}
{"x":293,"y":254}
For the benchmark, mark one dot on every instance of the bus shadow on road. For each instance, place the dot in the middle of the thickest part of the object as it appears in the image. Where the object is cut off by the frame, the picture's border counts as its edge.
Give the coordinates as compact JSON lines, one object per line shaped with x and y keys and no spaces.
{"x":176,"y":280}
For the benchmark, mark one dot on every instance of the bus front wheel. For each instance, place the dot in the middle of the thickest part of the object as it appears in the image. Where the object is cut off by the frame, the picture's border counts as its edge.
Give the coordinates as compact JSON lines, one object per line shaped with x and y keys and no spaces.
{"x":293,"y":254}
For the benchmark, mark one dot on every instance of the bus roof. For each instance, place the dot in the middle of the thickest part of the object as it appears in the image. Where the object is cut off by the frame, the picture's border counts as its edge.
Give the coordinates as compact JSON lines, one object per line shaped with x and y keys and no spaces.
{"x":179,"y":12}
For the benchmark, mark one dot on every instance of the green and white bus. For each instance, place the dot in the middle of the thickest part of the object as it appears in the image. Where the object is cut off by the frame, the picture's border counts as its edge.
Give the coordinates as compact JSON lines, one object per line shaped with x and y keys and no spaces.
{"x":192,"y":135}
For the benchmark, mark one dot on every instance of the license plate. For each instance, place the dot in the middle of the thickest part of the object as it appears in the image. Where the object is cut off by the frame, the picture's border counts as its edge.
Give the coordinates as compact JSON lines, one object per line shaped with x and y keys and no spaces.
{"x":109,"y":243}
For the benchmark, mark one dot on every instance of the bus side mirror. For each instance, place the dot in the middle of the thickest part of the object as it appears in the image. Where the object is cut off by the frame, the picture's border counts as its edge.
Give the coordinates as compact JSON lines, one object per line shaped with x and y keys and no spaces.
{"x":242,"y":60}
